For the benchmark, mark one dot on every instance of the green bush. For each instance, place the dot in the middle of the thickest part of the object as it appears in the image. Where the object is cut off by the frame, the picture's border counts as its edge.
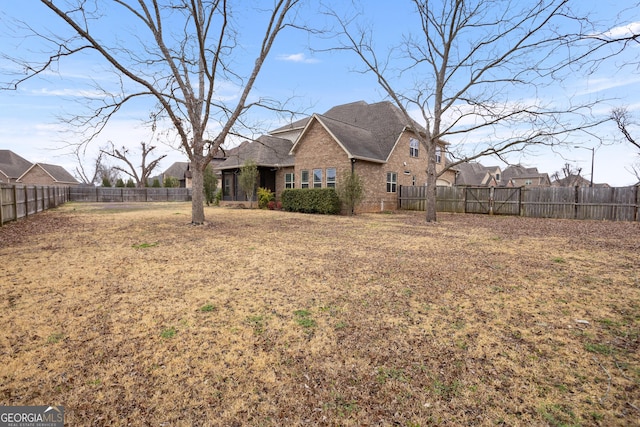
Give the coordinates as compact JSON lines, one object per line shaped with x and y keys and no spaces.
{"x":171,"y":182}
{"x":264,"y":197}
{"x":120,"y":183}
{"x":311,"y":200}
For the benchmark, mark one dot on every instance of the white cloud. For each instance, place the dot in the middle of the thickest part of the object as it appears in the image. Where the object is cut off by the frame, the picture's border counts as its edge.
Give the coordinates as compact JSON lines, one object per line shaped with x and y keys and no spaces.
{"x":298,"y":57}
{"x":595,"y":85}
{"x":621,"y":31}
{"x":77,"y":93}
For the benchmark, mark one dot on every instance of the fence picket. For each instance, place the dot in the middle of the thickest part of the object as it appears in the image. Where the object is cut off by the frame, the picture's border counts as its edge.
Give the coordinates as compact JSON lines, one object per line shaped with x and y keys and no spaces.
{"x":600,"y":203}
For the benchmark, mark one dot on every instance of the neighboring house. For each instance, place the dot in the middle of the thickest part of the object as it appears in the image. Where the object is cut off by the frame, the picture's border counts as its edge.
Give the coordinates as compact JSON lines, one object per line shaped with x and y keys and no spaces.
{"x":372,"y":140}
{"x":575,"y":180}
{"x":519,"y":176}
{"x":182,"y":170}
{"x":474,"y":174}
{"x":179,"y":170}
{"x":275,"y":166}
{"x":15,"y":169}
{"x":12,"y":166}
{"x":45,"y":174}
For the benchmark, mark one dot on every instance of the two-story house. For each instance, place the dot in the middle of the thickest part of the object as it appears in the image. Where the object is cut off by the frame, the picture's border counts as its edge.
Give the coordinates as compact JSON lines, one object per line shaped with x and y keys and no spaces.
{"x":372,"y":140}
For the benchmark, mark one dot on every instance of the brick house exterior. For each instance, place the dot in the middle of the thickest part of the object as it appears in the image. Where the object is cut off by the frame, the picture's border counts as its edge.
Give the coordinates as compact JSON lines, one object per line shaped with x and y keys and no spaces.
{"x":370,"y":139}
{"x":45,"y":174}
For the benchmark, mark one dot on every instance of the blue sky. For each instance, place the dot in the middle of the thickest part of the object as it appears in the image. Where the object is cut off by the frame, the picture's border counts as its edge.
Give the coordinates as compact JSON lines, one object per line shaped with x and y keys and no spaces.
{"x":30,"y":125}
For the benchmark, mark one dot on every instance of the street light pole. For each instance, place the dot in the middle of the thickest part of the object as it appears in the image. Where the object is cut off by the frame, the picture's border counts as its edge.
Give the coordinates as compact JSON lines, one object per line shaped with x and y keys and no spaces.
{"x":593,"y":155}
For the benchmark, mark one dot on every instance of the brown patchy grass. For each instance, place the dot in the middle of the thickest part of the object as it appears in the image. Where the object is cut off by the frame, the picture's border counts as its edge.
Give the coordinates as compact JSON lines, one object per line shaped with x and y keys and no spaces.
{"x":128,"y":315}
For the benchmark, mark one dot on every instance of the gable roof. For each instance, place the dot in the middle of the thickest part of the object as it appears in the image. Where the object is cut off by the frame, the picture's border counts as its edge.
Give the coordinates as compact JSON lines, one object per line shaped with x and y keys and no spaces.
{"x":364,"y":131}
{"x":177,"y":170}
{"x":474,"y":173}
{"x":13,"y":166}
{"x":57,"y":173}
{"x":519,"y":171}
{"x":267,"y":151}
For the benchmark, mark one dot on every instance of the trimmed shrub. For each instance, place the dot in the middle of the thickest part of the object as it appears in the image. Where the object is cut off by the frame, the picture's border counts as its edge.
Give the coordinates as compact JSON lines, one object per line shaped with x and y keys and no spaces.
{"x":264,"y":197}
{"x":311,"y":200}
{"x":273,"y":205}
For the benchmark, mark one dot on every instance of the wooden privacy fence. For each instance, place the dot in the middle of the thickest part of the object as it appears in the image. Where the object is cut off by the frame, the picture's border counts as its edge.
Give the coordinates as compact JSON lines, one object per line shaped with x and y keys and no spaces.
{"x":19,"y":201}
{"x":118,"y":194}
{"x":615,"y":204}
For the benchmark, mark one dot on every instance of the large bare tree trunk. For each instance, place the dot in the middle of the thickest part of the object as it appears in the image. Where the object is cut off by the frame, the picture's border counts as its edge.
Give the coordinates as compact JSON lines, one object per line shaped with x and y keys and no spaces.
{"x":197,"y":193}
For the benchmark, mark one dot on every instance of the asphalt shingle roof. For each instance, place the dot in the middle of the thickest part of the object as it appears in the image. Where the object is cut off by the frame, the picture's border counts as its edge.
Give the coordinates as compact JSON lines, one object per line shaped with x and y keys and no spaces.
{"x":269,"y":151}
{"x":367,"y":131}
{"x":13,"y":165}
{"x":58,"y":173}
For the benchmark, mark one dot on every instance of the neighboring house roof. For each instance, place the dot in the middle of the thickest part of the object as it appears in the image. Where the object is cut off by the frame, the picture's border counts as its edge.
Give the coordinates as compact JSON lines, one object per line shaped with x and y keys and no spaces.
{"x":267,"y":151}
{"x":364,"y":131}
{"x":474,"y":173}
{"x":519,"y":172}
{"x":57,"y":173}
{"x":13,"y":166}
{"x":298,"y":125}
{"x":177,"y":170}
{"x":575,"y":180}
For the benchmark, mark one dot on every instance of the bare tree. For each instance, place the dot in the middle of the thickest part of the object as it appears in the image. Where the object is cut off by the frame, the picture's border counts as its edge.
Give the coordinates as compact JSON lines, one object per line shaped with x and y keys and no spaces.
{"x":125,"y":155}
{"x":98,"y":171}
{"x":89,"y":176}
{"x":473,"y":71}
{"x":623,"y":120}
{"x":181,"y":54}
{"x":569,"y":176}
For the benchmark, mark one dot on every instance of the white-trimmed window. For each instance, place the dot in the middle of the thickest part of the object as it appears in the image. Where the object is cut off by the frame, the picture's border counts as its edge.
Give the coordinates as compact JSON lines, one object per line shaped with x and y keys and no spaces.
{"x":331,"y":177}
{"x":438,"y":154}
{"x":413,"y":147}
{"x":289,"y":180}
{"x":304,"y":179}
{"x":317,"y":178}
{"x":392,"y":182}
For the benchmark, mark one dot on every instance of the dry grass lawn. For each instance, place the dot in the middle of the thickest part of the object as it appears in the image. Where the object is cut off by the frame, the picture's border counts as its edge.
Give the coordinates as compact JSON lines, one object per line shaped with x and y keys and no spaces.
{"x":128,"y":315}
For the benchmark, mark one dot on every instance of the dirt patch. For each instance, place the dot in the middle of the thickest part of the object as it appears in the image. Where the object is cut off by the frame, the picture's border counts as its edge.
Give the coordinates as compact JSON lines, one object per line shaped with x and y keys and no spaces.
{"x":132,"y":316}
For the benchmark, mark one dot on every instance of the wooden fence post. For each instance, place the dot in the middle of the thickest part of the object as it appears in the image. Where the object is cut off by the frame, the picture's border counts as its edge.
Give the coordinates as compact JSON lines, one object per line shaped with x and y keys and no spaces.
{"x":575,"y":201}
{"x":1,"y":206}
{"x":637,"y":208}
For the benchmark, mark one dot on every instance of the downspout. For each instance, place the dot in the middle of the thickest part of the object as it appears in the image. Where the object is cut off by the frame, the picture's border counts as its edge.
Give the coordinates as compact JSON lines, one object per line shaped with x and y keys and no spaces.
{"x":353,"y":170}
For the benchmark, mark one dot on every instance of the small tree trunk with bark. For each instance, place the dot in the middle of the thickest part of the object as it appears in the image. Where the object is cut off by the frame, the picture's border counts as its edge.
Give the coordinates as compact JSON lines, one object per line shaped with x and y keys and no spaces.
{"x":431,"y":181}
